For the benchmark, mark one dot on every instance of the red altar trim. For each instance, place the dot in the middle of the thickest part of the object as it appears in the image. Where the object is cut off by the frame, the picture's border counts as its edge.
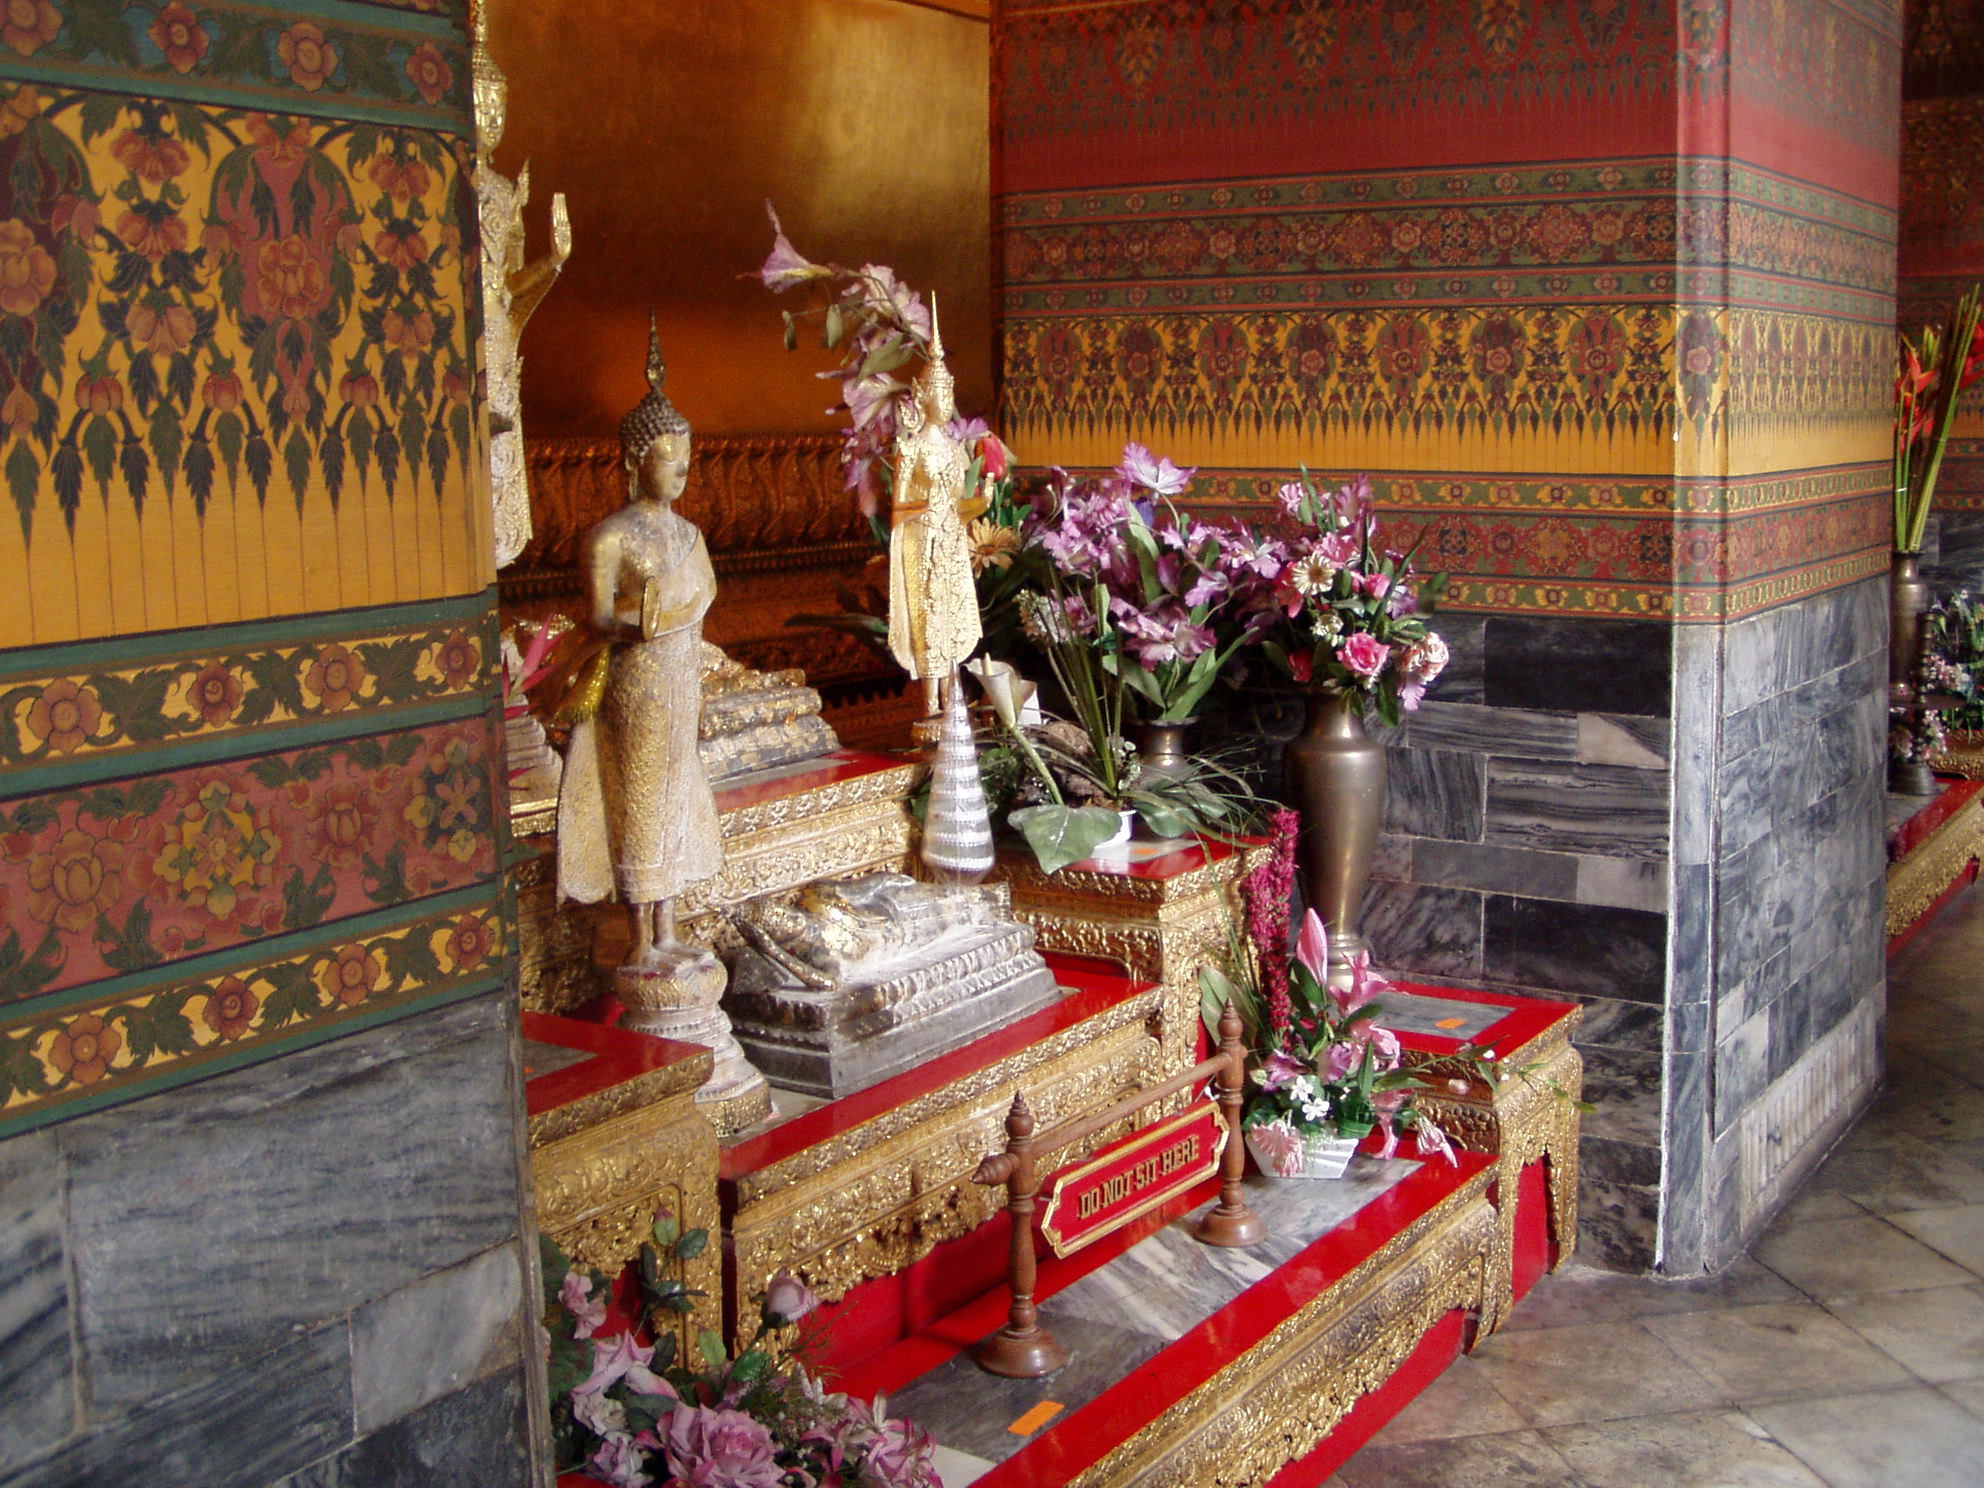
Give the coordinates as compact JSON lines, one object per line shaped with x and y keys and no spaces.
{"x":1527,"y":1019}
{"x":1091,"y":985}
{"x":828,"y":769}
{"x":617,"y":1056}
{"x":1076,"y":1443}
{"x":1920,"y":827}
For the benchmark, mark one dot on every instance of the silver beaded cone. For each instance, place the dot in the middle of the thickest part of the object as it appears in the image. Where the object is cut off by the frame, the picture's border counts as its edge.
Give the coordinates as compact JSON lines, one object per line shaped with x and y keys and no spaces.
{"x":957,"y":829}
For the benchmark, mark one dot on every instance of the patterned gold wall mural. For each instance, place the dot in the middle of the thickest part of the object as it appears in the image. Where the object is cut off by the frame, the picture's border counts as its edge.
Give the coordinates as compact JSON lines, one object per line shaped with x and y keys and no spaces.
{"x":249,"y":772}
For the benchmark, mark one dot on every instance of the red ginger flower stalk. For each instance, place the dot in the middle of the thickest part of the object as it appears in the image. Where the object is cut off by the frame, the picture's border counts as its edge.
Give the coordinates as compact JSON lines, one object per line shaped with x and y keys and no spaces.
{"x":1266,"y":892}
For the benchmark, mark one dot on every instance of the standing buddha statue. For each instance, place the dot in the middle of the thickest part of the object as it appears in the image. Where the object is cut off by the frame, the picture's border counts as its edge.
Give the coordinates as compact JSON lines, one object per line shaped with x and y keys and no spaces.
{"x":636,"y":816}
{"x":933,"y":602}
{"x":511,"y":290}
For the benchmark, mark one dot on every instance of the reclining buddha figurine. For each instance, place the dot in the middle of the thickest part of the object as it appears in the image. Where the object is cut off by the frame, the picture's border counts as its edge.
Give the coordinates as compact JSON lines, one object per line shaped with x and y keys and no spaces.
{"x":862,"y":978}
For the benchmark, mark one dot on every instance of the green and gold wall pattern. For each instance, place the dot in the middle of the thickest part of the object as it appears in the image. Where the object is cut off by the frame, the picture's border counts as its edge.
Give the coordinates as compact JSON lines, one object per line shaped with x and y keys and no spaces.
{"x":250,"y":773}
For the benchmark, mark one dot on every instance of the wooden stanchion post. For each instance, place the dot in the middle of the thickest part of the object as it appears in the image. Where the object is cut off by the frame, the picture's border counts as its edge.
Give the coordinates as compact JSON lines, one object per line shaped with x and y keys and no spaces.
{"x":1022,"y":1349}
{"x":1231,"y":1221}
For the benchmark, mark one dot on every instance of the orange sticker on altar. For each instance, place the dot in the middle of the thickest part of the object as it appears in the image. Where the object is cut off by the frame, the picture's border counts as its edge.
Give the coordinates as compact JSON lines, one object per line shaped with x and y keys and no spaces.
{"x":1132,"y":1177}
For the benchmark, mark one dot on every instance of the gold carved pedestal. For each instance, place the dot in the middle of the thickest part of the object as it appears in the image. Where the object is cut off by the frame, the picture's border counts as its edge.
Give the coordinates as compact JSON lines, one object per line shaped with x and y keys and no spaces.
{"x":605,"y":1162}
{"x":1162,"y":919}
{"x":873,"y":1199}
{"x":1519,"y":1121}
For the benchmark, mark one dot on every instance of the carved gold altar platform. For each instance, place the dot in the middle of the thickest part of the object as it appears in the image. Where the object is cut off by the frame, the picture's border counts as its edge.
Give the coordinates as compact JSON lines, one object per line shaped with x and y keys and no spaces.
{"x":865,"y":1187}
{"x":1931,"y":852}
{"x":616,"y":1139}
{"x":1160,"y":912}
{"x":829,"y":817}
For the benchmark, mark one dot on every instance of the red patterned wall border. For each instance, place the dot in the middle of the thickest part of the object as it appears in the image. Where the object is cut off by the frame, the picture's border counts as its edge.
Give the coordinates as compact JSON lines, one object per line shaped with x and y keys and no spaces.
{"x":104,"y":880}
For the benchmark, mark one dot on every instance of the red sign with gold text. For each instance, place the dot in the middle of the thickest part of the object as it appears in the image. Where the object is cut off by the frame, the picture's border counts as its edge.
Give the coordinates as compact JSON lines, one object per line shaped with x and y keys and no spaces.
{"x":1132,"y":1177}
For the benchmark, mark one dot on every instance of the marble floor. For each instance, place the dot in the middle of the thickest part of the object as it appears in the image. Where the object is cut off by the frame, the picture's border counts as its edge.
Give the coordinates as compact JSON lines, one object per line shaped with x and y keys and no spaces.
{"x":1845,"y":1351}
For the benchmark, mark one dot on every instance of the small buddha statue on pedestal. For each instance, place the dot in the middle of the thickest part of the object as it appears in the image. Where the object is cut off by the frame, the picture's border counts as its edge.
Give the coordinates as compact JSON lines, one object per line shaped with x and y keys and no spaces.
{"x":933,"y":601}
{"x":636,"y":815}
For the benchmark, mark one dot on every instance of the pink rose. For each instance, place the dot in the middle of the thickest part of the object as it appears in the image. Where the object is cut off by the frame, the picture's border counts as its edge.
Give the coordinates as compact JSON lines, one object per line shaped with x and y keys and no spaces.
{"x":788,"y":1298}
{"x":619,"y":1463}
{"x":1423,"y":661}
{"x":721,"y":1449}
{"x":590,"y":1311}
{"x":1364,"y":654}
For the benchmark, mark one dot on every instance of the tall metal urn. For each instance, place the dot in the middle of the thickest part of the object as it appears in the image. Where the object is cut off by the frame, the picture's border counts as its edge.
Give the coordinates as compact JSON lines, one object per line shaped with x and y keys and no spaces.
{"x":1336,"y":776}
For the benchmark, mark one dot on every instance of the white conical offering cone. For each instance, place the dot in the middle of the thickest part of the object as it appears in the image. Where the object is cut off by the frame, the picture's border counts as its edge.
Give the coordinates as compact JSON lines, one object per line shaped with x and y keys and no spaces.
{"x":957,"y":829}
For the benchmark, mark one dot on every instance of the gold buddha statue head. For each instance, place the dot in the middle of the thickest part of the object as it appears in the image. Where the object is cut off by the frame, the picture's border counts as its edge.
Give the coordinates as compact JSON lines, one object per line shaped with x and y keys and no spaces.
{"x":491,"y":88}
{"x":654,"y":438}
{"x":936,"y":390}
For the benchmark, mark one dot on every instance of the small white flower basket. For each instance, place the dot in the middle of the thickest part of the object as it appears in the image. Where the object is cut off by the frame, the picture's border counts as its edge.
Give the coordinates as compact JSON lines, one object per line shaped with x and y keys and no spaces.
{"x":1321,"y":1155}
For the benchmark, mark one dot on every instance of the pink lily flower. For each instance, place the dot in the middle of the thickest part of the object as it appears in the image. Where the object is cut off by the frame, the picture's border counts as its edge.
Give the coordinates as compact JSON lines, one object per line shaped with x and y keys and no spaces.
{"x":1312,"y":947}
{"x":620,"y":1358}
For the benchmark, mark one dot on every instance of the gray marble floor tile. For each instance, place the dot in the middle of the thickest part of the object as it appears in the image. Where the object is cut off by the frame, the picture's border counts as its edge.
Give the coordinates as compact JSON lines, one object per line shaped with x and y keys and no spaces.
{"x":1594,"y":1372}
{"x":1916,"y":1437}
{"x":959,"y":1469}
{"x":1925,"y":1176}
{"x":1848,"y":1257}
{"x":1460,"y":1402}
{"x":1163,"y":1287}
{"x":1816,"y":1203}
{"x":963,"y":1407}
{"x":1967,"y":1393}
{"x":1958,"y":1233}
{"x":1701,"y":1449}
{"x":1587,"y":1294}
{"x":1516,"y":1459}
{"x":1937,"y":1334}
{"x":1776,"y":1351}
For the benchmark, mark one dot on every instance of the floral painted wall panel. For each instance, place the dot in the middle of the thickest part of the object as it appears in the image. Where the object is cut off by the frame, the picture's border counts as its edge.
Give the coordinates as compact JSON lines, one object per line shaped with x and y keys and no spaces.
{"x":236,"y":355}
{"x":249,"y":754}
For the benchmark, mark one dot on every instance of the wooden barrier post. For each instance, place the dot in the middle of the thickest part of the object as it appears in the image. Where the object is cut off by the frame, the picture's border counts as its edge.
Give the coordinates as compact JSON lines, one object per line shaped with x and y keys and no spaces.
{"x":1022,"y":1349}
{"x":1231,"y":1221}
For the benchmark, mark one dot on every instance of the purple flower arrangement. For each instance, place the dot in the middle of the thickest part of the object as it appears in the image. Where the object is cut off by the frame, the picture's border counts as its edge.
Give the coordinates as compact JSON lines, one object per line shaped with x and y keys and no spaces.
{"x":634,"y":1415}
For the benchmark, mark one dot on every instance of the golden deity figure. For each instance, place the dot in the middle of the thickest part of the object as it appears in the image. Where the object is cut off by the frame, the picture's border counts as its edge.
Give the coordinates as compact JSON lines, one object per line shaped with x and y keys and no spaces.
{"x":511,"y":290}
{"x":933,"y":602}
{"x":636,"y":816}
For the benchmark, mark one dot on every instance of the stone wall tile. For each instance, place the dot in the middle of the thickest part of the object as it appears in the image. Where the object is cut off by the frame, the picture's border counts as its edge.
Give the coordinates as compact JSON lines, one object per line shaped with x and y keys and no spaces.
{"x":1618,"y":1223}
{"x":1499,"y":870}
{"x":430,"y":1339}
{"x":1623,"y":883}
{"x":474,"y":1438}
{"x":1435,"y":793}
{"x":1570,"y":665}
{"x":1742,"y":1069}
{"x":1461,"y":682}
{"x":1623,"y":1086}
{"x":1635,"y":743}
{"x":1574,"y":949}
{"x":1638,"y":1026}
{"x":37,"y":1369}
{"x":1513,"y":732}
{"x":325,"y":1179}
{"x":260,"y":1417}
{"x":1416,"y":931}
{"x":1597,"y":809}
{"x":1620,"y":1162}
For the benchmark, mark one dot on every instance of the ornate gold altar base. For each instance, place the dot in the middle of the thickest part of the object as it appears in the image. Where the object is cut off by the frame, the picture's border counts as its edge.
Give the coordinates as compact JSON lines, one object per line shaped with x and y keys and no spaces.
{"x":870,"y":1200}
{"x":838,"y":815}
{"x":606,"y":1162}
{"x":1927,"y":871}
{"x":1518,"y":1122}
{"x":1162,"y":919}
{"x":1277,"y":1401}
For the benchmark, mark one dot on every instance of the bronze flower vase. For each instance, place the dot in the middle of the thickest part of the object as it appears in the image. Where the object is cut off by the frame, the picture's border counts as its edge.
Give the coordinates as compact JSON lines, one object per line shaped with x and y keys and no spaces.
{"x":1336,"y":776}
{"x":1161,"y":751}
{"x":1909,"y":597}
